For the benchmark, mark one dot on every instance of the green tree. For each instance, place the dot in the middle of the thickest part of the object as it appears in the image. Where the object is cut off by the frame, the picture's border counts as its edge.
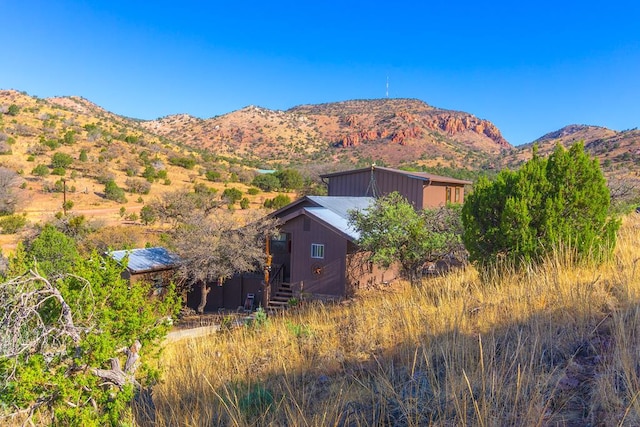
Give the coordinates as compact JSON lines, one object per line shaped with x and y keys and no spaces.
{"x":71,"y":347}
{"x":213,"y":175}
{"x":147,"y":215}
{"x":113,"y":192}
{"x":561,"y":202}
{"x":232,"y":195}
{"x":13,"y":110}
{"x":280,"y":201}
{"x":266,"y":182}
{"x":290,"y":179}
{"x":392,"y":231}
{"x":52,"y":252}
{"x":12,"y":223}
{"x":61,"y":160}
{"x":40,"y":170}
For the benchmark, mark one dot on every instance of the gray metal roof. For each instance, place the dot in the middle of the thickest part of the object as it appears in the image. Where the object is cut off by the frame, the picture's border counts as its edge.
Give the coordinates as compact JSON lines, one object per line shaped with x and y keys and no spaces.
{"x":146,"y":259}
{"x":341,"y":205}
{"x":334,"y":211}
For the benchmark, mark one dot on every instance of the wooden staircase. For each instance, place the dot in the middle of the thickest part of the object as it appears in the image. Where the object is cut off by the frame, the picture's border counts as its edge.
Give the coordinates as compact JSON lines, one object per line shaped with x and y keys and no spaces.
{"x":279,"y":300}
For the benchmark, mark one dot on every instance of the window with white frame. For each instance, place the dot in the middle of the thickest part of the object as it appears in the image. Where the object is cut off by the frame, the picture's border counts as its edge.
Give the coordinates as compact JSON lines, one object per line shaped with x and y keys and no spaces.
{"x":317,"y":250}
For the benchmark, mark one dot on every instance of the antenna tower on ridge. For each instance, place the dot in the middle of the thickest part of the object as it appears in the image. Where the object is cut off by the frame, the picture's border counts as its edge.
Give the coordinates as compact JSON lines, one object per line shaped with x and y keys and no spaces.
{"x":387,"y":87}
{"x":372,"y":188}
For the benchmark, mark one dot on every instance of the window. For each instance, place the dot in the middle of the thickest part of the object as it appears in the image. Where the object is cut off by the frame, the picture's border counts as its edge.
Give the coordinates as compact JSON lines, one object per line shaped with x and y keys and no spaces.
{"x":317,"y":250}
{"x":448,"y":194}
{"x":457,"y":199}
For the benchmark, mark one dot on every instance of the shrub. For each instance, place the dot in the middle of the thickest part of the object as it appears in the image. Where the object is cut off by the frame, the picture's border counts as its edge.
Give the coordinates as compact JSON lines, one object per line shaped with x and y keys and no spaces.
{"x":213,"y":175}
{"x":244,"y":203}
{"x":59,"y":171}
{"x":280,"y":201}
{"x":113,"y":192}
{"x":253,"y":191}
{"x":290,"y":179}
{"x":40,"y":170}
{"x":548,"y":204}
{"x":266,"y":182}
{"x":137,"y":186}
{"x":61,"y":160}
{"x":13,"y":110}
{"x":13,"y":223}
{"x":185,"y":162}
{"x":232,"y":195}
{"x":83,"y":156}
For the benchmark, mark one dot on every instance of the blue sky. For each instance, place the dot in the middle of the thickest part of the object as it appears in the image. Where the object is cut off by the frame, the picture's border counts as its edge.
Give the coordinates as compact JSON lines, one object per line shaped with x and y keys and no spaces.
{"x":529,"y":67}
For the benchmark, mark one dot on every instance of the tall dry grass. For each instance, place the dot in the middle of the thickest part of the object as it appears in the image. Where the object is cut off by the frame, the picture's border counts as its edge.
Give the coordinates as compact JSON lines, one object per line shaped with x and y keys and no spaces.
{"x":554,"y":345}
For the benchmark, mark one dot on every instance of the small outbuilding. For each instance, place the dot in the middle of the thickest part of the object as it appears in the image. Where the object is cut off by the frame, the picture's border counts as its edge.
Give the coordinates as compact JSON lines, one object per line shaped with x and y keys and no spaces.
{"x":155,"y":265}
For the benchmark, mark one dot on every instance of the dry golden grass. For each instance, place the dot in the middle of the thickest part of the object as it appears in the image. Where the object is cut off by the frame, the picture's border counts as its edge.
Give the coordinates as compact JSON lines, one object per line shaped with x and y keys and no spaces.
{"x":557,"y":345}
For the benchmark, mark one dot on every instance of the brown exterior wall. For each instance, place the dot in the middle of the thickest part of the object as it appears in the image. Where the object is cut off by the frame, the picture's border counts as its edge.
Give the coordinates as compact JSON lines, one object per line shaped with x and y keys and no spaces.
{"x":230,"y":295}
{"x":435,"y":194}
{"x":386,"y":182}
{"x":331,"y":280}
{"x":362,"y":274}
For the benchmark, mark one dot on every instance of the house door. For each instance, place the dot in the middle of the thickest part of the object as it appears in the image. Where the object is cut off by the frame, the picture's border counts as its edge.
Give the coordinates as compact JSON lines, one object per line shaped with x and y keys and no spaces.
{"x":281,"y":253}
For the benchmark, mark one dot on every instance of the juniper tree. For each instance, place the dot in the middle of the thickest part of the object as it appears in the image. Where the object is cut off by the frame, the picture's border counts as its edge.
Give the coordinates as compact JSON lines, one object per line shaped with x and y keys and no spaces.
{"x":550,"y":203}
{"x":72,"y":341}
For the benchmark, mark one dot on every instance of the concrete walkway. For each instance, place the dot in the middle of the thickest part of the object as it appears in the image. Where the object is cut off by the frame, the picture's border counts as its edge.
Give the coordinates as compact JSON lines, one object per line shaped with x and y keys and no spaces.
{"x":202,"y":331}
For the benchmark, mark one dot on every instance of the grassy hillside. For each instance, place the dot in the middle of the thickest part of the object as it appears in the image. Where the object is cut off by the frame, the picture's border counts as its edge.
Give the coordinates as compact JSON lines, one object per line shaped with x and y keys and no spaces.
{"x":556,"y":345}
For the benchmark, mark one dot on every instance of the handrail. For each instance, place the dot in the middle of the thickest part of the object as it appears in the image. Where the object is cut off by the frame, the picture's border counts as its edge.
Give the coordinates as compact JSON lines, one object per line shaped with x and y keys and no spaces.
{"x":278,"y":277}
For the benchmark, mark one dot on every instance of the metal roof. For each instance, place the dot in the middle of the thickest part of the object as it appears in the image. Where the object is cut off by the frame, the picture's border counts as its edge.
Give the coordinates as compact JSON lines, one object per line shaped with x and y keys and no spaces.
{"x":341,"y":205}
{"x":334,"y":211}
{"x":146,"y":259}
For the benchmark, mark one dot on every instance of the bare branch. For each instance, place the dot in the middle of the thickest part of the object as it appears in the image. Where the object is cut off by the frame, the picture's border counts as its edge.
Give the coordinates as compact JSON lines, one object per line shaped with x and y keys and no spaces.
{"x":22,"y":325}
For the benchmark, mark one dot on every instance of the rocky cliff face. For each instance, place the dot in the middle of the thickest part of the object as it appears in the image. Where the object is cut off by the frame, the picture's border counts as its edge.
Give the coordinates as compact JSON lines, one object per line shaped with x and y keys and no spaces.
{"x":405,"y":126}
{"x":395,"y":130}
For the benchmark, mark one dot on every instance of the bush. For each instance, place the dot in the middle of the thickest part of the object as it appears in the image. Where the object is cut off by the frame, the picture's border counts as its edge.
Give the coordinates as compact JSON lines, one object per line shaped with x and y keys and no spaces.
{"x":113,"y":192}
{"x":40,"y":170}
{"x":266,"y":182}
{"x":290,"y":179}
{"x":13,"y":110}
{"x":185,"y":162}
{"x":244,"y":203}
{"x":548,"y":204}
{"x":13,"y":223}
{"x":280,"y":201}
{"x":232,"y":195}
{"x":61,"y":160}
{"x":213,"y":175}
{"x":137,"y":186}
{"x":253,"y":191}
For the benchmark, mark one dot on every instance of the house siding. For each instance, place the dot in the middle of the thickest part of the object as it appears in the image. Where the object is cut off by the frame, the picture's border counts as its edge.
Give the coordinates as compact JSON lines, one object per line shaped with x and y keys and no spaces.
{"x":386,"y":182}
{"x":331,"y":281}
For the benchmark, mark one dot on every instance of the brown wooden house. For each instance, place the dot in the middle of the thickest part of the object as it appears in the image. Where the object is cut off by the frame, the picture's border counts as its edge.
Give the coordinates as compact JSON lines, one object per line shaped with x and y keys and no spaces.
{"x":316,"y":254}
{"x":423,"y":190}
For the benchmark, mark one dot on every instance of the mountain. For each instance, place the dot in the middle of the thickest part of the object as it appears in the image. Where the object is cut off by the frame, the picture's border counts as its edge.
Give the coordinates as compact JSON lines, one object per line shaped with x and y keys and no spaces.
{"x":51,"y":145}
{"x":396,"y":131}
{"x":149,"y":158}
